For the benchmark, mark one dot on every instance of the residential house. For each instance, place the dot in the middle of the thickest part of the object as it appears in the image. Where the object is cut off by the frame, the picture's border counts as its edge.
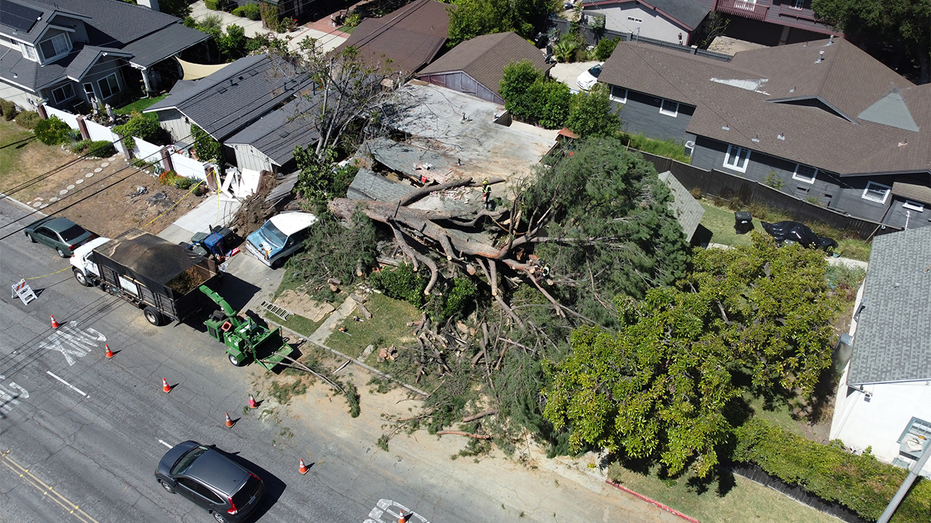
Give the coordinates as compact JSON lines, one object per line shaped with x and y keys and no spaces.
{"x":230,"y":99}
{"x":268,"y":143}
{"x":673,"y":21}
{"x":771,"y":22}
{"x":476,"y":66}
{"x":822,"y":121}
{"x":69,"y":53}
{"x":884,"y":397}
{"x":403,"y":41}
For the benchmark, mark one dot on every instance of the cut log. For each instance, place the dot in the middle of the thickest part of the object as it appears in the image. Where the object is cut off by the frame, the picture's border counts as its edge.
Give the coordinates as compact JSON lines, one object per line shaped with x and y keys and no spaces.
{"x":460,"y":433}
{"x":480,"y":415}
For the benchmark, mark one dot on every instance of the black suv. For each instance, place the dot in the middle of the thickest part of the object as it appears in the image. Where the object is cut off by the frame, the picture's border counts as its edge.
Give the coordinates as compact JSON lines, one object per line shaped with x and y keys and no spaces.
{"x":209,"y":478}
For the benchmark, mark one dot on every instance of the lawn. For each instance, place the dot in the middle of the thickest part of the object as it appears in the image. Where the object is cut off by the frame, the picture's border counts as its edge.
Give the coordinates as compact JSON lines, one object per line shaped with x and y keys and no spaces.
{"x":388,"y":326}
{"x":744,"y":500}
{"x":140,"y":105}
{"x":24,"y":161}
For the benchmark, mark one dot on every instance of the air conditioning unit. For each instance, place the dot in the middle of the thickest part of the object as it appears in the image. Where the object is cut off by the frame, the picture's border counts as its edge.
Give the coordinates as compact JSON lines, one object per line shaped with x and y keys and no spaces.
{"x":689,"y":148}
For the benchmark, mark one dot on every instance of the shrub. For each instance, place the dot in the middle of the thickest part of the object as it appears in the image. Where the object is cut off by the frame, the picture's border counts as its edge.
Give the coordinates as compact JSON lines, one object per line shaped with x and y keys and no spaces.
{"x":459,"y":299}
{"x":205,"y":146}
{"x":28,"y":119}
{"x":250,"y":11}
{"x":168,"y":178}
{"x":141,"y":127}
{"x":353,"y":19}
{"x":401,"y":283}
{"x":185,"y":183}
{"x":53,"y":131}
{"x":80,"y":147}
{"x":216,"y":5}
{"x":101,"y":149}
{"x":860,"y":483}
{"x":8,"y":109}
{"x":604,"y":48}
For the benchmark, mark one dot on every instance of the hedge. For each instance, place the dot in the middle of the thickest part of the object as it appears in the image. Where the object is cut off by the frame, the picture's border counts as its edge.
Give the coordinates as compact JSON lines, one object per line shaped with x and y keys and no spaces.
{"x":861,"y":483}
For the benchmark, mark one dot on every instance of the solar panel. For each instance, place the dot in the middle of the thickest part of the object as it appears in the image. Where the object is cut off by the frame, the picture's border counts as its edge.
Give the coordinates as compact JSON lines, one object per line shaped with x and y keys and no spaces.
{"x":18,"y":16}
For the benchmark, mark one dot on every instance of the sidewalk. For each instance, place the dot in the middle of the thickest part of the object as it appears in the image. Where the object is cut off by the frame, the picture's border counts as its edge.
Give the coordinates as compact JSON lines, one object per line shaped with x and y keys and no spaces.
{"x":327,"y":36}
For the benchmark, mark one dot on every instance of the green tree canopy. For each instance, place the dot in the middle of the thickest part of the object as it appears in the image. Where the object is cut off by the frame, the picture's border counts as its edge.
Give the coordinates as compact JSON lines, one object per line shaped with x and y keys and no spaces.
{"x":533,"y":98}
{"x":906,"y":23}
{"x":661,"y":385}
{"x":591,"y":114}
{"x":471,"y":18}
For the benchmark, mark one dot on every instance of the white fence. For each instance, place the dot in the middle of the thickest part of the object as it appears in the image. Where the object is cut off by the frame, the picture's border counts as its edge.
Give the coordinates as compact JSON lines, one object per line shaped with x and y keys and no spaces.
{"x":145,"y":151}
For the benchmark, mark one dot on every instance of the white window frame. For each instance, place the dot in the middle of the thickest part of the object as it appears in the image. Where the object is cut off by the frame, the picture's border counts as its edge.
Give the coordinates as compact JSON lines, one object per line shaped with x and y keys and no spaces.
{"x":29,"y":52}
{"x":62,"y":88}
{"x":870,"y":186}
{"x":61,"y":44}
{"x":736,"y":152}
{"x":802,"y":177}
{"x":673,"y":113}
{"x":915,"y":206}
{"x":112,"y":90}
{"x":618,"y":99}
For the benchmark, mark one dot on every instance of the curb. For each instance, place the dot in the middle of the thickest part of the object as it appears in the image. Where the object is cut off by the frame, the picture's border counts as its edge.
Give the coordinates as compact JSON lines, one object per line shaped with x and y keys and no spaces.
{"x":672,"y":511}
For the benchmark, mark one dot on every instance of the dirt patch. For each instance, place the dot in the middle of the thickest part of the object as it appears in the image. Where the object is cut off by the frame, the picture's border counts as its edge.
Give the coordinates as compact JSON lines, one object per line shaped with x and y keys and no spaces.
{"x":302,"y":305}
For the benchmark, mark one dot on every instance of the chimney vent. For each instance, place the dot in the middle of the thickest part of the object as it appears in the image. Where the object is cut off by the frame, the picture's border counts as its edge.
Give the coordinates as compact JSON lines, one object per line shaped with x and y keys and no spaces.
{"x":820,"y":57}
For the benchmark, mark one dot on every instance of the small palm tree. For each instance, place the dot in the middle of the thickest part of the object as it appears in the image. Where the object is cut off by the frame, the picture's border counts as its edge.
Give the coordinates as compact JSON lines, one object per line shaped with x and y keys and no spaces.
{"x":565,"y":48}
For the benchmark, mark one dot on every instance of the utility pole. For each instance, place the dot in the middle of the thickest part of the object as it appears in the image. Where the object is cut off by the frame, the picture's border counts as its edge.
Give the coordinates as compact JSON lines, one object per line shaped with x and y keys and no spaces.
{"x":907,"y":484}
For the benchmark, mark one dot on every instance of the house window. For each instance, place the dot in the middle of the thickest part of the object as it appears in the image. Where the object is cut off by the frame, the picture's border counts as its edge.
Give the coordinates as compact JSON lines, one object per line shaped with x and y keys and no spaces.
{"x":29,"y":52}
{"x":737,"y":158}
{"x":915,"y":206}
{"x":63,"y":93}
{"x":108,"y":86}
{"x":669,"y":108}
{"x":635,"y":20}
{"x":876,"y":192}
{"x":619,"y":94}
{"x":804,"y":173}
{"x":58,"y":45}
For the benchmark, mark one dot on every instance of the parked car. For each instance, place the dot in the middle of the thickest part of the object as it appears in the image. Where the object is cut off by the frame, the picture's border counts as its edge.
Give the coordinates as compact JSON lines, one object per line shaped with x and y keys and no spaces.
{"x":210,"y":479}
{"x":280,"y":237}
{"x":795,"y":232}
{"x":589,"y":78}
{"x":61,"y":234}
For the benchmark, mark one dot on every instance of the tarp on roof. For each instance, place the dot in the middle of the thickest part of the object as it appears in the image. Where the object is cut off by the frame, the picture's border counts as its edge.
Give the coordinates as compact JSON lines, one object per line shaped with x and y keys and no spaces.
{"x":194,"y":71}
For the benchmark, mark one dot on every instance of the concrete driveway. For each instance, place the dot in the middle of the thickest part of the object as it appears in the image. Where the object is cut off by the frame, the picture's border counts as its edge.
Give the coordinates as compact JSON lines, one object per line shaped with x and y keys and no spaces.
{"x":568,"y":73}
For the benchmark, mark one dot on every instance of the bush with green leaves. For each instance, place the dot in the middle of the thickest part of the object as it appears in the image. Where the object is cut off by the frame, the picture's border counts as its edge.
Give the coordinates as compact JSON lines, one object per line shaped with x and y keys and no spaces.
{"x":206,"y":148}
{"x":860,"y":483}
{"x":28,"y":119}
{"x":532,"y":98}
{"x":457,"y":300}
{"x":8,"y":108}
{"x":80,"y":146}
{"x":53,"y":131}
{"x":401,"y":283}
{"x":250,"y":11}
{"x":605,"y":48}
{"x":215,"y":5}
{"x":139,"y":126}
{"x":592,"y":114}
{"x":100,"y":149}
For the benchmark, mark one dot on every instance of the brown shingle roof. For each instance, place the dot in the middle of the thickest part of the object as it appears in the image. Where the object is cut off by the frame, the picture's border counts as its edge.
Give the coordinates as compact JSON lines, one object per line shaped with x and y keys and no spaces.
{"x":811,"y":135}
{"x":484,"y":58}
{"x":409,"y":37}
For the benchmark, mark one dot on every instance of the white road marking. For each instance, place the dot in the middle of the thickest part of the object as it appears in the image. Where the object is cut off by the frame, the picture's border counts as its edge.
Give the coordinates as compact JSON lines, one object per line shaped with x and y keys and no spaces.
{"x":163,"y":443}
{"x":8,"y":398}
{"x":394,"y":510}
{"x":79,"y":391}
{"x":72,"y":342}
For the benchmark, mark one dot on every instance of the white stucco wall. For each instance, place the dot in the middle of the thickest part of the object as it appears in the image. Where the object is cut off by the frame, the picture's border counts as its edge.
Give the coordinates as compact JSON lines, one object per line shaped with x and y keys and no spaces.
{"x":879,"y":422}
{"x":653,"y":25}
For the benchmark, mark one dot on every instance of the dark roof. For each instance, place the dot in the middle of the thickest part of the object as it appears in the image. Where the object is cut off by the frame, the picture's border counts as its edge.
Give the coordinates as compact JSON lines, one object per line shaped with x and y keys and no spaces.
{"x":110,"y":24}
{"x":149,"y":256}
{"x":410,"y":37}
{"x":743,"y":103}
{"x":235,"y":96}
{"x":484,"y":58}
{"x":153,"y":48}
{"x":893,"y":336}
{"x":369,"y":185}
{"x":277,"y":133}
{"x":686,"y":12}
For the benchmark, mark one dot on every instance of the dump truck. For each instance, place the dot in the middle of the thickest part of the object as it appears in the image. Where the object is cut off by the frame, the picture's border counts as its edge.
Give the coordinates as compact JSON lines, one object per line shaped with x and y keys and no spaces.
{"x":159,"y":277}
{"x":244,"y":338}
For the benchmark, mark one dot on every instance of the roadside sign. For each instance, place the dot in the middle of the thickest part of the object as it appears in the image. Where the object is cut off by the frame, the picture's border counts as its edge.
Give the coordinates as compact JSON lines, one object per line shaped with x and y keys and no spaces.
{"x":23,"y":291}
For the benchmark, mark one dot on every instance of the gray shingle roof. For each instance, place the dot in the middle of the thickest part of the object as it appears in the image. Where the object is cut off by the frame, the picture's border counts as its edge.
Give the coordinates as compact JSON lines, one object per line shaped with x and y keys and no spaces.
{"x":750,"y":116}
{"x":687,"y":12}
{"x":893,"y":337}
{"x":410,"y":37}
{"x":484,"y":58}
{"x":235,"y":96}
{"x":153,"y":48}
{"x":279,"y":132}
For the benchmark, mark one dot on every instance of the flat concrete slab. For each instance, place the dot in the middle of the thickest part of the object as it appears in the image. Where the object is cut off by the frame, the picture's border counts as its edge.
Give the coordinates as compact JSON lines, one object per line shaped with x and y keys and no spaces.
{"x":569,"y":73}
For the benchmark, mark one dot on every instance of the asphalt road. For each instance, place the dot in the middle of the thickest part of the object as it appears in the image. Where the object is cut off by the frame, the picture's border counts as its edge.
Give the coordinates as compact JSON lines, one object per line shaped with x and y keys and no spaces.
{"x":80,"y":435}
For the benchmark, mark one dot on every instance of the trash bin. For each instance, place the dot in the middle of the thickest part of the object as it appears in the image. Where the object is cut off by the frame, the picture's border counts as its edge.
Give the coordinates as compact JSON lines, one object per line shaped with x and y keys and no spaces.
{"x":743,"y":222}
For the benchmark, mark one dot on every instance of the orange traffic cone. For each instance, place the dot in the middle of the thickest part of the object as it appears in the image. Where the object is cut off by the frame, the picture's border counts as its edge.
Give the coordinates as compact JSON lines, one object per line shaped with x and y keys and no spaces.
{"x":109,"y":352}
{"x":165,"y":386}
{"x":55,"y":324}
{"x":229,"y":422}
{"x":303,"y":469}
{"x":403,"y":518}
{"x":252,"y":403}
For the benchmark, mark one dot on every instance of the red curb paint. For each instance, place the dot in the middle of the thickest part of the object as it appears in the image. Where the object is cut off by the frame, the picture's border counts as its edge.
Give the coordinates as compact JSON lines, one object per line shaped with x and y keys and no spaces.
{"x":648,"y":500}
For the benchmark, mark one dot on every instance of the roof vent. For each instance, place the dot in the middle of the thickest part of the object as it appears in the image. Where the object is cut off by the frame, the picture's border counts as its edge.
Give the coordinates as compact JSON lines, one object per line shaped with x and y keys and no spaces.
{"x":820,"y":57}
{"x":781,"y":136}
{"x":903,"y":143}
{"x":831,"y":40}
{"x":755,"y":139}
{"x":792,"y":90}
{"x":725,"y":127}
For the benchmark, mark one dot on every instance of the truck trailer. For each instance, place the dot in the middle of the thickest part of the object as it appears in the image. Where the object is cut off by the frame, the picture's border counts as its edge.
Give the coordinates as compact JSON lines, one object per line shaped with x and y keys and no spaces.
{"x":159,"y":277}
